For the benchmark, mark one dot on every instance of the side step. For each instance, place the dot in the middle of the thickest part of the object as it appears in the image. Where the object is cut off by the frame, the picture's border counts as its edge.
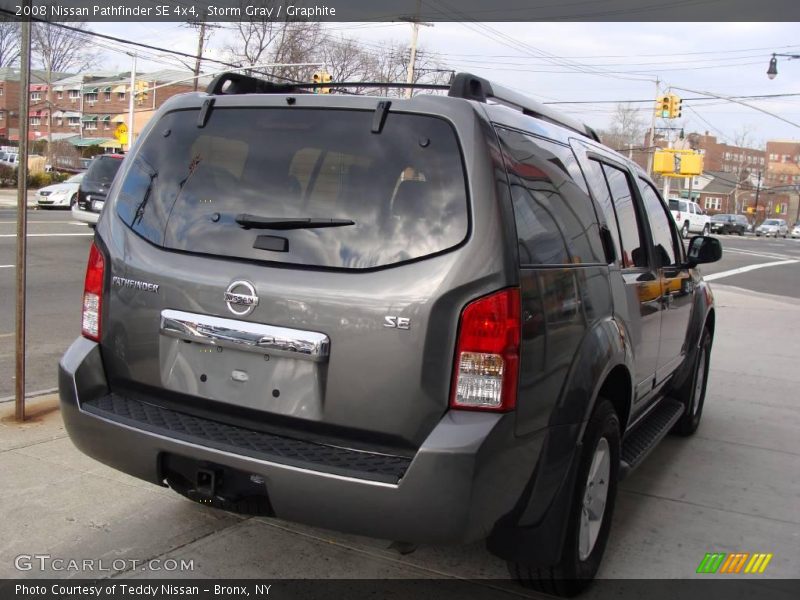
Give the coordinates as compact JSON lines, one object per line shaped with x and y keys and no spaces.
{"x":647,"y":434}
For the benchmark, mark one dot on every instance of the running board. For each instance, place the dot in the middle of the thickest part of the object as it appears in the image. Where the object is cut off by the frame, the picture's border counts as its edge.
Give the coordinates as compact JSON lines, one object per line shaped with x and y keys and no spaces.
{"x":647,"y":434}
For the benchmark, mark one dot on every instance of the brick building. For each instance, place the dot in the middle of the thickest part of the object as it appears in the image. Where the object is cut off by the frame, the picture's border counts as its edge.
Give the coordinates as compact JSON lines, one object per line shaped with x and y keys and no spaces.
{"x":727,"y":158}
{"x":783,"y":179}
{"x":84,"y":107}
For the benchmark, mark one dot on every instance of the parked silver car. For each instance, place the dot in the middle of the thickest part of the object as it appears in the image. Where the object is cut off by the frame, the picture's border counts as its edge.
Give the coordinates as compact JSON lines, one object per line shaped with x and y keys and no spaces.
{"x":773,"y":227}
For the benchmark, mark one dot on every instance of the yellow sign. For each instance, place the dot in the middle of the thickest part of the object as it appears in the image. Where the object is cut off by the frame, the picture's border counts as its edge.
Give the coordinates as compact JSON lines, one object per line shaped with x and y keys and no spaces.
{"x":121,"y":133}
{"x":751,"y":209}
{"x":677,"y":163}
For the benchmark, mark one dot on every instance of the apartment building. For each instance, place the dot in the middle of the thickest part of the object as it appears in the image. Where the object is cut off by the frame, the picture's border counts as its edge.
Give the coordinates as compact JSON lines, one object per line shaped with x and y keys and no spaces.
{"x":85,"y":108}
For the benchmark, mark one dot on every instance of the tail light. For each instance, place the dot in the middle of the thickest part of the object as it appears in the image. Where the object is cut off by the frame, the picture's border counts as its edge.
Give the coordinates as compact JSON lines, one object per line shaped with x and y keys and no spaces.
{"x":93,"y":294}
{"x":487,"y":353}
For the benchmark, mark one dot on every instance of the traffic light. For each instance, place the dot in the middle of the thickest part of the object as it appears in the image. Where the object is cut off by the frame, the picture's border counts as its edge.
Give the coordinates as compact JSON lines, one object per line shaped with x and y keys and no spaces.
{"x":322,"y":77}
{"x":141,"y":91}
{"x":663,"y":107}
{"x":675,"y":105}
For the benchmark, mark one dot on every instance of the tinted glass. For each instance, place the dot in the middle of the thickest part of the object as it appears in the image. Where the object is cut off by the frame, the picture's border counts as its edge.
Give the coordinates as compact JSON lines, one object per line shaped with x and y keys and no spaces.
{"x":103,"y":169}
{"x":555,"y":218}
{"x":597,"y":179}
{"x":674,"y":205}
{"x":660,"y":226}
{"x":404,"y":188}
{"x":630,"y":238}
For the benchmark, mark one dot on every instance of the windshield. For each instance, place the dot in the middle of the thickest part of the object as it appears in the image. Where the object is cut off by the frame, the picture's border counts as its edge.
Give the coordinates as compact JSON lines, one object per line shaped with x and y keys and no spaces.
{"x":721,"y":218}
{"x":772,"y":222}
{"x":75,"y":178}
{"x":220,"y":189}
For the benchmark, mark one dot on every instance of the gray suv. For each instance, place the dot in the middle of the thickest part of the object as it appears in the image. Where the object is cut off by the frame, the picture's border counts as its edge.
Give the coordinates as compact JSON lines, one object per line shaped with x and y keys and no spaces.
{"x":435,"y":319}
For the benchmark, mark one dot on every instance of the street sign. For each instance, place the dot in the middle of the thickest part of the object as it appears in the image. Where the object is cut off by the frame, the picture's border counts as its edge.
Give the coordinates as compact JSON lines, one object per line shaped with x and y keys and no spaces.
{"x":121,"y":133}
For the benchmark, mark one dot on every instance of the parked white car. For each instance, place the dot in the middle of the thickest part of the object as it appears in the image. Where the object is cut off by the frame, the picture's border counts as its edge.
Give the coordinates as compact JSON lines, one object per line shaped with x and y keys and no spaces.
{"x":61,"y":195}
{"x":796,"y":230}
{"x":689,"y":217}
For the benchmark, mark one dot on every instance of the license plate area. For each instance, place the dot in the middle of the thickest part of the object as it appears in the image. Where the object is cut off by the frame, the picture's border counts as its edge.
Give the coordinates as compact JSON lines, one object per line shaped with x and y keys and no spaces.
{"x":259,"y":381}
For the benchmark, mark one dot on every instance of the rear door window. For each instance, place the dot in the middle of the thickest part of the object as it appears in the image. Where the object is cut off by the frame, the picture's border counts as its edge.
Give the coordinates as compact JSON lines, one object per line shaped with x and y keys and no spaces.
{"x":555,"y":218}
{"x":399,"y":195}
{"x":630,"y":227}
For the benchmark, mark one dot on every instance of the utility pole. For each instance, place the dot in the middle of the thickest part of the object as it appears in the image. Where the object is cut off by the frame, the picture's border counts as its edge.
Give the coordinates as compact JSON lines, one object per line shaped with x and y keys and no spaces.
{"x":130,"y":102}
{"x":200,"y":42}
{"x":758,"y":189}
{"x":652,"y":137}
{"x":415,"y":23}
{"x":22,"y":219}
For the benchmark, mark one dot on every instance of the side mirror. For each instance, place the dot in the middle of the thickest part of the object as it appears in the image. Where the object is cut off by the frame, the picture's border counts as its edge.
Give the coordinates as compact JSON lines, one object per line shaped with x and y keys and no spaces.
{"x":703,"y":249}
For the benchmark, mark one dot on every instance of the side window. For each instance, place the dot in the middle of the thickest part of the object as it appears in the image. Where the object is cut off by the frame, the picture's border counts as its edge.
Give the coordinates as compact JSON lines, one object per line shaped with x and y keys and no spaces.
{"x":633,"y":251}
{"x":597,"y":180}
{"x":555,"y":218}
{"x":666,"y":249}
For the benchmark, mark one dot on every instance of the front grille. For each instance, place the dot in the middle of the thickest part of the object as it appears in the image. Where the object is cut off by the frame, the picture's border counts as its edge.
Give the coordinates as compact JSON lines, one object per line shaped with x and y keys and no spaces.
{"x":248,"y":442}
{"x":44,"y":193}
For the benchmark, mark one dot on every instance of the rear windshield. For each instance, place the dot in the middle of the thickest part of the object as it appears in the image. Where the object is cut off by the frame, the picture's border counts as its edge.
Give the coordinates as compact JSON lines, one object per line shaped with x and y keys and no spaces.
{"x":678,"y":205}
{"x":397,"y":195}
{"x":721,"y":218}
{"x":103,"y":169}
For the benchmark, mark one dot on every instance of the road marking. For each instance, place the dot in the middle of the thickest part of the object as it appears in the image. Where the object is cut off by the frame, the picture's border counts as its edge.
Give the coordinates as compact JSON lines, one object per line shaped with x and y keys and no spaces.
{"x":10,"y":235}
{"x":14,"y":222}
{"x":722,"y":274}
{"x":5,"y":335}
{"x":7,"y":266}
{"x":761,"y":254}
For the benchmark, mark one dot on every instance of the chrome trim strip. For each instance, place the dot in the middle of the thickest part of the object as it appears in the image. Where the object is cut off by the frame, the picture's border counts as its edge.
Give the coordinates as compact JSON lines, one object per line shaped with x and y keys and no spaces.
{"x":244,"y":335}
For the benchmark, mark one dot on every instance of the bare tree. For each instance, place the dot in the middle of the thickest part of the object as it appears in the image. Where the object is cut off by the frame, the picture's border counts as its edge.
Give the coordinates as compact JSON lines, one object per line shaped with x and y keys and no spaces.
{"x":9,"y":43}
{"x":56,"y":49}
{"x":266,"y":41}
{"x":627,"y":128}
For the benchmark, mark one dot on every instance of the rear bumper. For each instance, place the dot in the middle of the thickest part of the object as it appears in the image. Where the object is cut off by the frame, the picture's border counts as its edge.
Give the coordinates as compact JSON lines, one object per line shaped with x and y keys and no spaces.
{"x":469,"y":473}
{"x":85,"y":215}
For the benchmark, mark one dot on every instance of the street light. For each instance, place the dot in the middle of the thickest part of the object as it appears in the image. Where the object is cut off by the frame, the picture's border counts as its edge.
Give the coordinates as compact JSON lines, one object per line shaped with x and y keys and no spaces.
{"x":772,"y":71}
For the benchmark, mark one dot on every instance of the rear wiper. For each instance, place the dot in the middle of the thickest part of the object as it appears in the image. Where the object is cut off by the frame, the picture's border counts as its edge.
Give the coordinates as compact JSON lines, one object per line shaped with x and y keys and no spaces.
{"x":255,"y":222}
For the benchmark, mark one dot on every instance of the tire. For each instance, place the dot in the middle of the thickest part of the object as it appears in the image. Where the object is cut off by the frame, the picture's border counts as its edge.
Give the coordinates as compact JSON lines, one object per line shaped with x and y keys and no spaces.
{"x":585,"y":540}
{"x":706,"y":230}
{"x":693,"y":394}
{"x":685,"y":230}
{"x":741,"y":232}
{"x":73,"y":201}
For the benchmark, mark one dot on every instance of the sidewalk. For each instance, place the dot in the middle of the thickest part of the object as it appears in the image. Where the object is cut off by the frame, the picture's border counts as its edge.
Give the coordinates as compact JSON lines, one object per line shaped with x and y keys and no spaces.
{"x":8,"y":198}
{"x":733,"y":487}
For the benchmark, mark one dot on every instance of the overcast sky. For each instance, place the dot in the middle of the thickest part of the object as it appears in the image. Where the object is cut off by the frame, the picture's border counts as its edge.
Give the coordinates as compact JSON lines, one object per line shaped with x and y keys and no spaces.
{"x":581,"y":62}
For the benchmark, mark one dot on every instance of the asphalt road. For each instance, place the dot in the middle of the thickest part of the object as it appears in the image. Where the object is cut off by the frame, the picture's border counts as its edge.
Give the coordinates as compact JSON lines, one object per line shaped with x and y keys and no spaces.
{"x":58,"y":248}
{"x":57,"y":251}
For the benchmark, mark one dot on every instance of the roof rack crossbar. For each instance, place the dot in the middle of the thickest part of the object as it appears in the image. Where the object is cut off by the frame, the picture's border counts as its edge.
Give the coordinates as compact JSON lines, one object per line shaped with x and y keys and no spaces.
{"x":472,"y":87}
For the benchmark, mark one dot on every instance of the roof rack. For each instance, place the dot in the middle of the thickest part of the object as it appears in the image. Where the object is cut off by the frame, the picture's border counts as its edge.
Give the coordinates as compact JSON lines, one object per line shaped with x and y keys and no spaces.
{"x":463,"y":85}
{"x":472,"y":87}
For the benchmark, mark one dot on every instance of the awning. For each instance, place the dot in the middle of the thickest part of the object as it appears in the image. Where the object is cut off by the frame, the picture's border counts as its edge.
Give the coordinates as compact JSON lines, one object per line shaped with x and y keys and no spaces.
{"x":111,"y":144}
{"x":83,"y":142}
{"x":59,"y":114}
{"x":120,"y":89}
{"x":105,"y":118}
{"x":73,"y":88}
{"x":71,"y":114}
{"x":90,"y":90}
{"x":58,"y":88}
{"x":89,"y":118}
{"x":106,"y":89}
